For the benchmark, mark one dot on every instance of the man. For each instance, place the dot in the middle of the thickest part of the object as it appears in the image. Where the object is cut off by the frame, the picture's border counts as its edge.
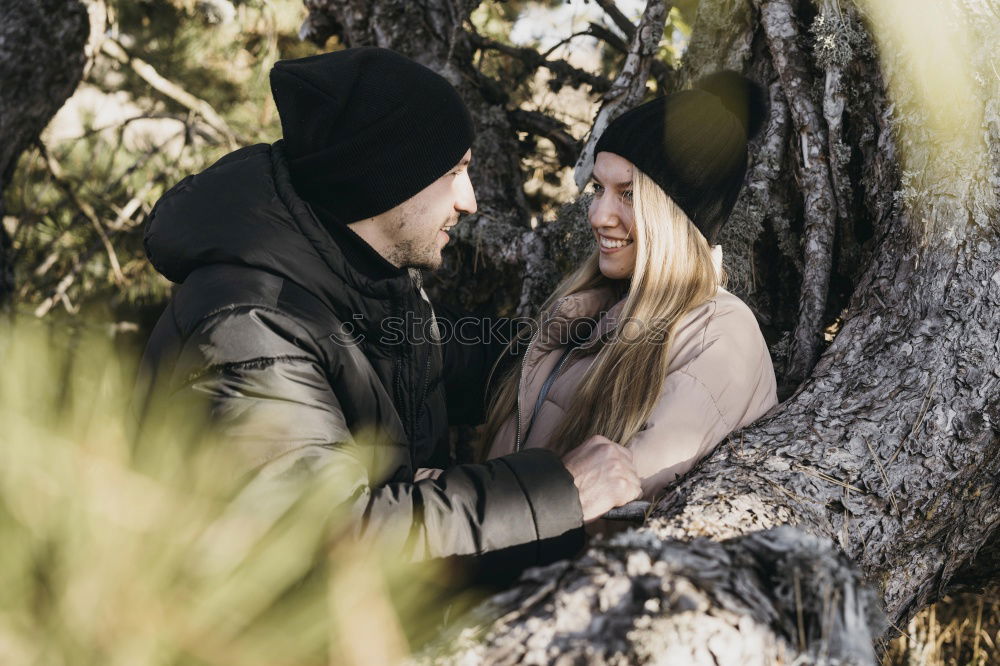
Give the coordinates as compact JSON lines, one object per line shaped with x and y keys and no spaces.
{"x":293,"y":257}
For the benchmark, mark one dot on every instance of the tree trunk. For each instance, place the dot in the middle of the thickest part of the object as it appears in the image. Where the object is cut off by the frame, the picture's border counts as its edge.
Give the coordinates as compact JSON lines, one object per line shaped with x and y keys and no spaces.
{"x":41,"y":63}
{"x":769,"y":597}
{"x":875,"y":223}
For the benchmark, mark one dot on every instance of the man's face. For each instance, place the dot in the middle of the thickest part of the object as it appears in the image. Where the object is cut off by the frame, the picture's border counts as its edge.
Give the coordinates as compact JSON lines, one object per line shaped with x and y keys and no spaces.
{"x":417,"y":228}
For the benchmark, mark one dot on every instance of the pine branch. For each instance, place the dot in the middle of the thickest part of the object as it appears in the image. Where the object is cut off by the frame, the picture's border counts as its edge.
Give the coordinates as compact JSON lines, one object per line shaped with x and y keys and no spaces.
{"x":619,"y":19}
{"x":168,"y":88}
{"x":88,"y":212}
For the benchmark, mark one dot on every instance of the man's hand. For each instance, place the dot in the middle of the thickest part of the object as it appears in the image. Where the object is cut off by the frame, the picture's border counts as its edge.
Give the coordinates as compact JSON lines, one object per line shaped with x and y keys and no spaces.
{"x":604,"y":476}
{"x":426,"y":473}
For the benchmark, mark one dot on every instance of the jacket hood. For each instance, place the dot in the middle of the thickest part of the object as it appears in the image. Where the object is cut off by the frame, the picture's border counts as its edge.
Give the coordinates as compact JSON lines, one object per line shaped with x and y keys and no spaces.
{"x":243,"y":210}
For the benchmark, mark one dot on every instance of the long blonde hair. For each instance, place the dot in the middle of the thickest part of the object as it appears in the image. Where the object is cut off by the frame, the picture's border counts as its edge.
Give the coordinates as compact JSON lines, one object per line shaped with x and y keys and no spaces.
{"x":673,"y":274}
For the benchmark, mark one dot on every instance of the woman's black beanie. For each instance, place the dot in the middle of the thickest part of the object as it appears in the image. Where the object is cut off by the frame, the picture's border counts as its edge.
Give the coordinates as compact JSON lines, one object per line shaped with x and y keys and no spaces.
{"x":702,"y":157}
{"x":367,"y":128}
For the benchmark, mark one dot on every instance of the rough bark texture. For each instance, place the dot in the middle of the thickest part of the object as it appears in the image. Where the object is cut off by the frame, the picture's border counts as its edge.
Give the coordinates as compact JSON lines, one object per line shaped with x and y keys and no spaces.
{"x":643,"y":599}
{"x":834,"y":197}
{"x":41,"y":62}
{"x":781,"y":29}
{"x":858,"y":214}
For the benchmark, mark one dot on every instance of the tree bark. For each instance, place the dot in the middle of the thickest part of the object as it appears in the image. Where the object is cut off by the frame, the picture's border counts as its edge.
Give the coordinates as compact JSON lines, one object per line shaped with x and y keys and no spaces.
{"x":41,"y":62}
{"x":766,"y":598}
{"x":870,"y":222}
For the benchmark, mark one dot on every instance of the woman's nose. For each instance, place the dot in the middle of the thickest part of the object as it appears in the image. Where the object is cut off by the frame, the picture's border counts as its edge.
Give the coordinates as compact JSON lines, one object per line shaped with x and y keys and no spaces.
{"x":602,"y":214}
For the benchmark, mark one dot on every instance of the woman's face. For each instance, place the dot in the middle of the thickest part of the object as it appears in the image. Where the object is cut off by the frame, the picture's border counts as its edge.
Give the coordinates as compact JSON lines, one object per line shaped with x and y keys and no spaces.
{"x":611,"y":216}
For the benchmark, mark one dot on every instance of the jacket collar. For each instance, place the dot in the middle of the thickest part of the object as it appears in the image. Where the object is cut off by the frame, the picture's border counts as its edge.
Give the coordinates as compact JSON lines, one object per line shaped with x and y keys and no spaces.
{"x":387,"y":286}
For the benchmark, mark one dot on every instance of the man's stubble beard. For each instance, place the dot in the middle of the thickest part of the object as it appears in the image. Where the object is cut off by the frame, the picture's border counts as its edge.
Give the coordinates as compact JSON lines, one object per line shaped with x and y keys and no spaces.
{"x":409,"y":253}
{"x":406,"y":254}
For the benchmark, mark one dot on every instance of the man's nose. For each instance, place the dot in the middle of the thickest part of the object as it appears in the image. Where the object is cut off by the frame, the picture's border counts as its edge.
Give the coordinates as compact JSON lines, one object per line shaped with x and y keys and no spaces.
{"x":466,"y":200}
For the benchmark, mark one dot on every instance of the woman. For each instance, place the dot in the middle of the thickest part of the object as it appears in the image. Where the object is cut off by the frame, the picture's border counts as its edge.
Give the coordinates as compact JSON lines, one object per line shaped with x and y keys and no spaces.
{"x":642,"y":344}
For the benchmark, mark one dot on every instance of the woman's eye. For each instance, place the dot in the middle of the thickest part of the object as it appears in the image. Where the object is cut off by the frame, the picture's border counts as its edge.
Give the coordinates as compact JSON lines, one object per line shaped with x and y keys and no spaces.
{"x":598,"y":190}
{"x":627,"y":196}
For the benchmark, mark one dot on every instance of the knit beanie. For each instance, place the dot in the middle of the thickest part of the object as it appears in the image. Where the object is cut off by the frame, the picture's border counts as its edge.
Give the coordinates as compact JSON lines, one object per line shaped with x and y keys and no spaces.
{"x":702,"y":157}
{"x":366,"y":128}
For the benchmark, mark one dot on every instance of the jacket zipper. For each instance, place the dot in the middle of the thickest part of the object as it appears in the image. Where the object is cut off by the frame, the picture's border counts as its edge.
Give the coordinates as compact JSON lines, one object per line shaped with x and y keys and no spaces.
{"x":419,"y":410}
{"x":396,"y":383}
{"x":517,"y":443}
{"x":549,"y":381}
{"x":517,"y":440}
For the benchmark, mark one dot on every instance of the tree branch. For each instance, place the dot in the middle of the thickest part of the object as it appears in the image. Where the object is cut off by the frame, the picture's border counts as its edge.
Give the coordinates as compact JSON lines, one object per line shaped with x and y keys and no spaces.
{"x":630,"y":85}
{"x":148,"y":73}
{"x":539,"y":124}
{"x":619,"y":19}
{"x":566,"y":40}
{"x":661,"y":72}
{"x":608,"y":36}
{"x":534,"y":60}
{"x":781,"y":31}
{"x":640,"y":599}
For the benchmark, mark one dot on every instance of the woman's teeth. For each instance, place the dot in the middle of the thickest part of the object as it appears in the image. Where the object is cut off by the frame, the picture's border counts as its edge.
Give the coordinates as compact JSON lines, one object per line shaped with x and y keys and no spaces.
{"x":608,"y":243}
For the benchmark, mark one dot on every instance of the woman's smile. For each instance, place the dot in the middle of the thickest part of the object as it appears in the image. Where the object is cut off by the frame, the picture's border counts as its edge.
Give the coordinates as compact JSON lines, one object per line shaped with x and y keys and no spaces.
{"x":610,"y":245}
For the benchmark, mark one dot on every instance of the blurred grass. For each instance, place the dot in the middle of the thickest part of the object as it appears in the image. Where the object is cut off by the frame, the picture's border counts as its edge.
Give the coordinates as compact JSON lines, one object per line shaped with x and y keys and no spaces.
{"x":134,"y":548}
{"x":960,"y":630}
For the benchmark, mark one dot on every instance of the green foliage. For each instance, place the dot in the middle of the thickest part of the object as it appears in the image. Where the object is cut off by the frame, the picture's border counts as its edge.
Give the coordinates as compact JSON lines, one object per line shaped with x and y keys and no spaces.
{"x":116,"y":165}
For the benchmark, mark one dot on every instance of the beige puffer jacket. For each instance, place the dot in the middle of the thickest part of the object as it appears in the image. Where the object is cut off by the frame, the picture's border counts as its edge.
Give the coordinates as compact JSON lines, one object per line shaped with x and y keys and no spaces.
{"x":720,"y":379}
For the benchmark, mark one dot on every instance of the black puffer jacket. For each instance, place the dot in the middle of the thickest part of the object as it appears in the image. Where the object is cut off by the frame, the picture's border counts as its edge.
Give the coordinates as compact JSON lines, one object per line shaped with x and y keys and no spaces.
{"x":290,"y":344}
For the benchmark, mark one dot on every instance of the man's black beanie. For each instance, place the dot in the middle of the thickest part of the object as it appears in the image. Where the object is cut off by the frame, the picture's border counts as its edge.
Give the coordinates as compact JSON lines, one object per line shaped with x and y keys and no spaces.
{"x":367,"y":128}
{"x":701,"y":160}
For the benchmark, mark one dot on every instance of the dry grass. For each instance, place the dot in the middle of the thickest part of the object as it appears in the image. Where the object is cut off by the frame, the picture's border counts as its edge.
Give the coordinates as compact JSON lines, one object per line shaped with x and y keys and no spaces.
{"x":960,"y":630}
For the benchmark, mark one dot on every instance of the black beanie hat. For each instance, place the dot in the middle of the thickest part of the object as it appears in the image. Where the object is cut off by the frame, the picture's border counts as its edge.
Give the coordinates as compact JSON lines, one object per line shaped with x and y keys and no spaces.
{"x":367,"y":128}
{"x":702,"y":157}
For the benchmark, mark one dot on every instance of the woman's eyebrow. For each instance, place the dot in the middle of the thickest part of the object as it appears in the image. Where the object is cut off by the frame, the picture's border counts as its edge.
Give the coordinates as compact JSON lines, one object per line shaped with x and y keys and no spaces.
{"x":627,"y":183}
